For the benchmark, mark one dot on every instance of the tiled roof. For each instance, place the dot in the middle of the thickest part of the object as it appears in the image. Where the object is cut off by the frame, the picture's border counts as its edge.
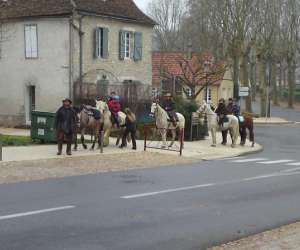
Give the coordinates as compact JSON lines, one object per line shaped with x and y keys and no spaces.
{"x":165,"y":64}
{"x":124,"y":9}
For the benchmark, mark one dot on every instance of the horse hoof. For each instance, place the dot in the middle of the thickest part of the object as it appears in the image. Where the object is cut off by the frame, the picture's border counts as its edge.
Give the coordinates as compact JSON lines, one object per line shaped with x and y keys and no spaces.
{"x":233,"y":146}
{"x":252,"y":145}
{"x":85,"y":146}
{"x":213,"y":145}
{"x":74,"y":149}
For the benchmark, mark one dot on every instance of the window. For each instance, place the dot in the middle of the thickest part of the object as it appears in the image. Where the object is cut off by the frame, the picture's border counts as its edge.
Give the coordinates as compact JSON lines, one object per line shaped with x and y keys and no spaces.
{"x":155,"y":93}
{"x":207,"y":95}
{"x":31,"y":41}
{"x":131,"y":45}
{"x":101,"y":43}
{"x":127,"y":44}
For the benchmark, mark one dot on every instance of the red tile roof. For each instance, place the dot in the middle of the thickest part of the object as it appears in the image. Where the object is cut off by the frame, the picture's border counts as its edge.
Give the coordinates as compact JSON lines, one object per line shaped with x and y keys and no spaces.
{"x":124,"y":9}
{"x":168,"y":64}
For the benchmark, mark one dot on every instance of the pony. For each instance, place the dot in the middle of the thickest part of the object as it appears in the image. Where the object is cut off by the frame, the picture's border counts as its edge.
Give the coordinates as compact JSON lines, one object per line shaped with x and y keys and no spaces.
{"x":246,"y":123}
{"x":86,"y":120}
{"x":164,"y":124}
{"x":212,"y":121}
{"x":106,"y":122}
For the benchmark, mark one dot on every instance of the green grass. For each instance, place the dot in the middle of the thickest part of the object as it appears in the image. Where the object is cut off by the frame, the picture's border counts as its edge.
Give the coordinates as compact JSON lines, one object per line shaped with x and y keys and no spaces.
{"x":11,"y":140}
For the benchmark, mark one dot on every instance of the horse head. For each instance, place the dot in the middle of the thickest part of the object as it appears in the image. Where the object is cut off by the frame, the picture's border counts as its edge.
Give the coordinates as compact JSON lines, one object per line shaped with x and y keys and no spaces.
{"x":154,"y":107}
{"x":101,"y":106}
{"x":203,"y":108}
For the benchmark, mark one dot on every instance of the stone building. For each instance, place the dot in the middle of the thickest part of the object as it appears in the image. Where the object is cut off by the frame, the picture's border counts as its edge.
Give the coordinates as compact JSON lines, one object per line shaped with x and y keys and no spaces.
{"x":52,"y":49}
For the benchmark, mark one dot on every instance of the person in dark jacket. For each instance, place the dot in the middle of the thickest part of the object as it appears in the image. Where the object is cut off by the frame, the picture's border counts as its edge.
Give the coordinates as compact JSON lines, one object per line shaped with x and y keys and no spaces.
{"x":221,"y":111}
{"x":233,"y":108}
{"x":169,"y":105}
{"x":65,"y":125}
{"x":130,"y":124}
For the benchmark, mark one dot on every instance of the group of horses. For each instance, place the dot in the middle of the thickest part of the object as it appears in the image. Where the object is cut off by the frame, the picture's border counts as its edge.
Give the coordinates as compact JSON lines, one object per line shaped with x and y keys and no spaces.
{"x":86,"y":120}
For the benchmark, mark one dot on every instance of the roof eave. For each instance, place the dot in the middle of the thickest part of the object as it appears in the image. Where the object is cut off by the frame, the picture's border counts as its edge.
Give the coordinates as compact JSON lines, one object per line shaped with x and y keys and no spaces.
{"x":89,"y":13}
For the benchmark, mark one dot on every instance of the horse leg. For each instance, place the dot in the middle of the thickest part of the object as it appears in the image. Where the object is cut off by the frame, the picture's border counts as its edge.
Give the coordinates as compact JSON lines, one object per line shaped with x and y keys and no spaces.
{"x":75,"y":141}
{"x":173,"y":131}
{"x":163,"y":133}
{"x":235,"y":132}
{"x":251,"y":134}
{"x":82,"y":139}
{"x":214,"y":137}
{"x":243,"y":133}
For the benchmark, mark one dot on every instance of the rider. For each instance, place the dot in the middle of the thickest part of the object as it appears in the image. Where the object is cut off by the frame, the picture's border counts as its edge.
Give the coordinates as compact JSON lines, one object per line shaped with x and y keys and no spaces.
{"x":221,"y":111}
{"x":114,"y":107}
{"x":169,"y":106}
{"x":233,"y":108}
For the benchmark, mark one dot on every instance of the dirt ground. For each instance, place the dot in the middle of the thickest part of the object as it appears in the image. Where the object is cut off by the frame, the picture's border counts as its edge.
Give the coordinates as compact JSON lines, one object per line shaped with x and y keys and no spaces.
{"x":11,"y":172}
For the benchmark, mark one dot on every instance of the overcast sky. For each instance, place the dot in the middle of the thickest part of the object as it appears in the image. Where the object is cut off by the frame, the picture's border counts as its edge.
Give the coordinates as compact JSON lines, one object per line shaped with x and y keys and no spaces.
{"x":142,"y":4}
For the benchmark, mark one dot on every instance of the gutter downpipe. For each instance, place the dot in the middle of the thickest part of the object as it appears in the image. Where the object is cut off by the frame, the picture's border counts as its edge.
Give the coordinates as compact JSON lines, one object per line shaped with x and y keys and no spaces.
{"x":81,"y":33}
{"x":71,"y":89}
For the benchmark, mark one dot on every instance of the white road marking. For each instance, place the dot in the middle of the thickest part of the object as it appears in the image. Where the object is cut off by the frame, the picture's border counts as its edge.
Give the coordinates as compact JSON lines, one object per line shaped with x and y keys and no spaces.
{"x":49,"y":210}
{"x":168,"y":191}
{"x":275,"y":162}
{"x":290,"y":170}
{"x":249,"y":160}
{"x":294,"y":164}
{"x":255,"y":178}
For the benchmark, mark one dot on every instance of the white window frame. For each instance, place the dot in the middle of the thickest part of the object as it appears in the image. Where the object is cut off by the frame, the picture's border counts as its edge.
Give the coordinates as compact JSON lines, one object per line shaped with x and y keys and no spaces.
{"x":31,"y":41}
{"x":100,"y":51}
{"x":127,"y":45}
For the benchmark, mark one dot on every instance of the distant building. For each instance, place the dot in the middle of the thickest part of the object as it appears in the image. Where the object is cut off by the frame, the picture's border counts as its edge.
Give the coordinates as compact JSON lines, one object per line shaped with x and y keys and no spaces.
{"x":167,"y":73}
{"x":57,"y":45}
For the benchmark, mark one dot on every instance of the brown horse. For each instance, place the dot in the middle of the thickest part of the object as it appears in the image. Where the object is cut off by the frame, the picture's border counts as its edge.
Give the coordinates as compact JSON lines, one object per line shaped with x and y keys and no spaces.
{"x":87,"y":121}
{"x":247,"y":123}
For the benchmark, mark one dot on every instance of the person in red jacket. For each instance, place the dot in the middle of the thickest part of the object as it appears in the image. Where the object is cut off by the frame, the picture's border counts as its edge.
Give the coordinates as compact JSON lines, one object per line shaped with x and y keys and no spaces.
{"x":115,"y":107}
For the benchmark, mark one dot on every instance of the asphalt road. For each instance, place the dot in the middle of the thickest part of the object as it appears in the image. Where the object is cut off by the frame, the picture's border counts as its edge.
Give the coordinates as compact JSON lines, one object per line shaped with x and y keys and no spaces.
{"x":176,"y":208}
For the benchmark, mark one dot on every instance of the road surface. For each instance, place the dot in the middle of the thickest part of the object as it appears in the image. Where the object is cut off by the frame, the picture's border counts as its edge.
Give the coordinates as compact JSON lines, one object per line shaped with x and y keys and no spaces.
{"x":174,"y":208}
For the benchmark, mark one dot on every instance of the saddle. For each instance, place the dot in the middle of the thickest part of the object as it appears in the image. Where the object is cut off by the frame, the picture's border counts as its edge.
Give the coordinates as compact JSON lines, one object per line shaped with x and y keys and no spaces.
{"x":91,"y":111}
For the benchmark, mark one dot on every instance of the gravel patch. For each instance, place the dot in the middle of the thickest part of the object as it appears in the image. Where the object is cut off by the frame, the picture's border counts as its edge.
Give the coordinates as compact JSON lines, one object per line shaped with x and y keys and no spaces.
{"x":12,"y":172}
{"x":283,"y":238}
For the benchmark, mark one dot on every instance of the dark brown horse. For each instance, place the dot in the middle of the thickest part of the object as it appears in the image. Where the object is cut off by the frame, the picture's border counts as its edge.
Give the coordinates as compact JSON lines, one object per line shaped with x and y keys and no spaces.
{"x":245,"y":123}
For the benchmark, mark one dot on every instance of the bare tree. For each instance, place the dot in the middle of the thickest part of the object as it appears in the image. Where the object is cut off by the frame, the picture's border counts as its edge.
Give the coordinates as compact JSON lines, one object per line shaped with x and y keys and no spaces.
{"x":169,"y":15}
{"x":196,"y":74}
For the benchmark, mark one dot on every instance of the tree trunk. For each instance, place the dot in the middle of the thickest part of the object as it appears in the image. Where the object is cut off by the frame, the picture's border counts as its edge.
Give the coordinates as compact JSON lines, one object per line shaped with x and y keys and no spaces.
{"x":262,"y":87}
{"x":245,"y":82}
{"x":236,"y":69}
{"x":253,"y":80}
{"x":291,"y":82}
{"x":280,"y":81}
{"x":274,"y":82}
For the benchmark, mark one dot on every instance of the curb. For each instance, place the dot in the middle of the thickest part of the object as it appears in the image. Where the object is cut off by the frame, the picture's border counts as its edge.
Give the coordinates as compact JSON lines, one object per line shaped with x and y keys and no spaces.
{"x":259,"y":150}
{"x":274,"y":123}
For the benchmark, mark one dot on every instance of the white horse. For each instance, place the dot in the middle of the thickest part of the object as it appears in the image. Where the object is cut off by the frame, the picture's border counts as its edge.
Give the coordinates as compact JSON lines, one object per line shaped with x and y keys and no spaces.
{"x":164,"y":124}
{"x":212,"y":121}
{"x":107,"y":123}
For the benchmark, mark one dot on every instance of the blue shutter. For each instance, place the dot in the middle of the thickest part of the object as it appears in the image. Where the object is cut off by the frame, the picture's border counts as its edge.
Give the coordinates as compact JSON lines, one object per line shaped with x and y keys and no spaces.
{"x":138,"y":46}
{"x":122,"y":45}
{"x":105,"y":43}
{"x":96,"y":43}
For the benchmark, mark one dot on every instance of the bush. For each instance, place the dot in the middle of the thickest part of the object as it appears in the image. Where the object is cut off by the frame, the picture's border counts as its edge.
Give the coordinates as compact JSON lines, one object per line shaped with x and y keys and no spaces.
{"x":186,"y":108}
{"x":10,"y":140}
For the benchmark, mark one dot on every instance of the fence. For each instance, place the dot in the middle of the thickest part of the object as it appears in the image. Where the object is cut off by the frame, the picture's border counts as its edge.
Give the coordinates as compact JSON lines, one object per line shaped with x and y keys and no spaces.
{"x":149,"y":143}
{"x":134,"y":94}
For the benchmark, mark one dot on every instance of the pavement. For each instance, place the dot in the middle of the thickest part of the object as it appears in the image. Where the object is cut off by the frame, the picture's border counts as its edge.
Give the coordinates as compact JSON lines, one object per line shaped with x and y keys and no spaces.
{"x":198,"y":150}
{"x":185,"y":207}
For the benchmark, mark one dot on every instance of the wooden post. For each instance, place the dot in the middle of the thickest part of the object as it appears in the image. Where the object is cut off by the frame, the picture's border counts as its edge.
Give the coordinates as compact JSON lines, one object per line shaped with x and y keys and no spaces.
{"x":145,"y":137}
{"x":181,"y":140}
